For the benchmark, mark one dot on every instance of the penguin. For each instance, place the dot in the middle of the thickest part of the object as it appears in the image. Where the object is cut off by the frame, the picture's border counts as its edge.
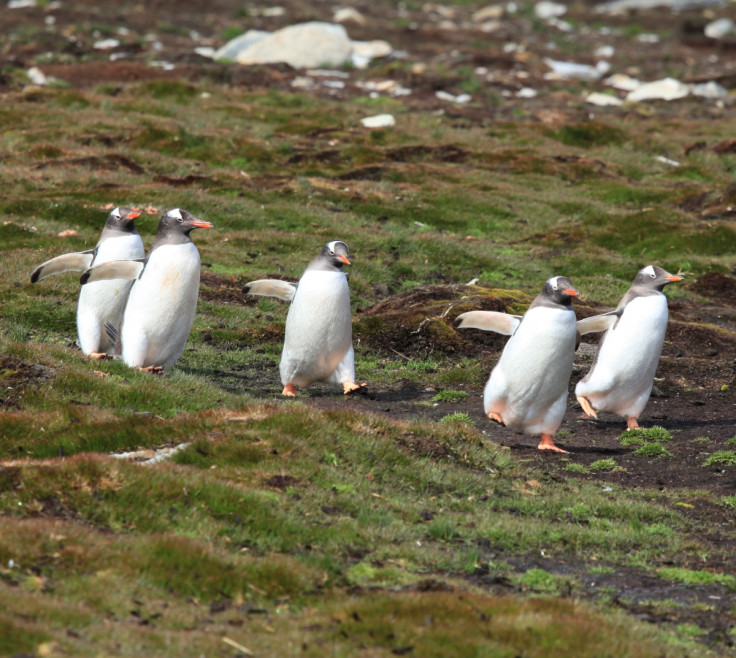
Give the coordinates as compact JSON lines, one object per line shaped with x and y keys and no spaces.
{"x":318,"y":340}
{"x":527,"y":389}
{"x":102,"y":302}
{"x":622,"y":375}
{"x":162,"y":302}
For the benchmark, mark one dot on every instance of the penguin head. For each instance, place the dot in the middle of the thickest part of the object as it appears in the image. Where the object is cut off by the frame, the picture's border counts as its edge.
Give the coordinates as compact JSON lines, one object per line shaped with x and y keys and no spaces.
{"x":122,"y":220}
{"x":175,"y":226}
{"x":332,"y":257}
{"x":654,"y":277}
{"x":559,"y":290}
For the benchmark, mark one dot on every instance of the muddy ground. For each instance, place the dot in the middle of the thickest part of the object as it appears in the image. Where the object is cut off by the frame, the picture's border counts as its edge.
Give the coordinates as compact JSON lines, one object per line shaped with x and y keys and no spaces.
{"x":694,"y":391}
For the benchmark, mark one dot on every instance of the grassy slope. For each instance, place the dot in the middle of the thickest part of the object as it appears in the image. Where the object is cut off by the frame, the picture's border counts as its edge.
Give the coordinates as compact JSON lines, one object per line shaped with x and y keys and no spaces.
{"x":288,"y":529}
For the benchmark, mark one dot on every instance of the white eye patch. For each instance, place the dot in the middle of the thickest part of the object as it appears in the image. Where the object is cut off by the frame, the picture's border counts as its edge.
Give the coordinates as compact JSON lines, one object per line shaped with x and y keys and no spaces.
{"x":649,"y":270}
{"x":553,"y":282}
{"x":116,"y":213}
{"x":175,"y":213}
{"x":333,"y":245}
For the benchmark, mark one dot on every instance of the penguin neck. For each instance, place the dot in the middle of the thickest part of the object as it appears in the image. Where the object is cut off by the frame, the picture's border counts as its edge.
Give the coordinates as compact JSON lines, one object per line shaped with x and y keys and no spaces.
{"x":170,"y":237}
{"x":321,"y":264}
{"x":117,"y":230}
{"x":637,"y":291}
{"x":543,"y":301}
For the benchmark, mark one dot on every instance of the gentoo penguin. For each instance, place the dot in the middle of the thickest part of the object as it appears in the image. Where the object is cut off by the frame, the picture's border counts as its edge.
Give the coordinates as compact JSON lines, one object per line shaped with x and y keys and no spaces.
{"x":318,"y":341}
{"x":527,"y":388}
{"x":102,"y":302}
{"x":622,"y":375}
{"x":162,"y":302}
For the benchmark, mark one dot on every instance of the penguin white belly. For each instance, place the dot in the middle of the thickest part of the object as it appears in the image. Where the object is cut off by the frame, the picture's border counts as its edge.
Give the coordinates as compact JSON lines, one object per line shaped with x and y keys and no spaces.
{"x":104,"y":301}
{"x":319,"y":330}
{"x":161,"y":307}
{"x":528,"y":386}
{"x":622,"y":376}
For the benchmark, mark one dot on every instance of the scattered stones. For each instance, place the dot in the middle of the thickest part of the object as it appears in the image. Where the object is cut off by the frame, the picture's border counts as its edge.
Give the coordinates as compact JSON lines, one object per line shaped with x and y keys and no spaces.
{"x":21,"y":4}
{"x":489,"y":13}
{"x":378,"y":121}
{"x":461,"y":99}
{"x":348,"y":15}
{"x":622,"y":82}
{"x":623,"y":6}
{"x":106,"y":44}
{"x":36,"y":76}
{"x":709,"y":90}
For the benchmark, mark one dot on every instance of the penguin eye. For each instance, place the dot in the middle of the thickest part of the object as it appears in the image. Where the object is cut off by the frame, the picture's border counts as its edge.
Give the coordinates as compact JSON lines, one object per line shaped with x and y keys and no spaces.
{"x":653,"y":275}
{"x":332,"y":253}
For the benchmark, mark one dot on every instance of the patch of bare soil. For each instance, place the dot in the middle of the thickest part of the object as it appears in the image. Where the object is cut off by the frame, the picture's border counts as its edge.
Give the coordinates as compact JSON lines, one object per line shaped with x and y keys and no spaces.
{"x":16,"y":376}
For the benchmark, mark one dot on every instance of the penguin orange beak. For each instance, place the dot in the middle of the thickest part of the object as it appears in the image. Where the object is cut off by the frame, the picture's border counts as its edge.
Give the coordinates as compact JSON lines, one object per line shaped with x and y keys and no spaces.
{"x":344,"y":259}
{"x":200,"y":223}
{"x":134,"y":215}
{"x":674,"y":278}
{"x":571,"y":291}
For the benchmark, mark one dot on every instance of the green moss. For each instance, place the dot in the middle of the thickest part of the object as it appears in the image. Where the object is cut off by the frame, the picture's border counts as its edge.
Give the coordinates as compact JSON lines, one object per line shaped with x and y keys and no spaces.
{"x":721,"y":458}
{"x":652,"y":451}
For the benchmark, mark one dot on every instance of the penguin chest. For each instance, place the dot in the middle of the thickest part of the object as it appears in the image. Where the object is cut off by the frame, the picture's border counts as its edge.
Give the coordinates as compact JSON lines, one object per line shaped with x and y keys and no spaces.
{"x":628,"y":357}
{"x":318,"y":330}
{"x":105,"y":300}
{"x":532,"y":375}
{"x":162,"y":304}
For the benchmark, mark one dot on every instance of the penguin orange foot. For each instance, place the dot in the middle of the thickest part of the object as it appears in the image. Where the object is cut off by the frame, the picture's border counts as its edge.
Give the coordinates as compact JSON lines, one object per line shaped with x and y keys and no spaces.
{"x":154,"y":370}
{"x":547,"y":443}
{"x":352,"y":387}
{"x":496,"y":418}
{"x":289,"y":391}
{"x":587,"y":407}
{"x":99,"y":356}
{"x":632,"y":423}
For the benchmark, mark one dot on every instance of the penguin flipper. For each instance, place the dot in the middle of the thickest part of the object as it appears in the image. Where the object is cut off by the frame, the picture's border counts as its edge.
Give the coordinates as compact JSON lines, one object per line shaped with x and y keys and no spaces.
{"x":114,"y":269}
{"x":598,"y":323}
{"x":77,"y":261}
{"x":271,"y":288}
{"x":501,"y":323}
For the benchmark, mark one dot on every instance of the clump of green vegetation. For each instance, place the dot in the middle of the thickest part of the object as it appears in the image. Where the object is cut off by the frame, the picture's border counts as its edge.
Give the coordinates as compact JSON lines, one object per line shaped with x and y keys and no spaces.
{"x":608,"y":464}
{"x":721,"y":458}
{"x":701,"y":439}
{"x":731,"y":441}
{"x":539,"y":580}
{"x":654,"y":433}
{"x":694,"y":578}
{"x":450,"y":396}
{"x":577,"y":468}
{"x":457,"y":417}
{"x":729,"y":501}
{"x":652,"y":450}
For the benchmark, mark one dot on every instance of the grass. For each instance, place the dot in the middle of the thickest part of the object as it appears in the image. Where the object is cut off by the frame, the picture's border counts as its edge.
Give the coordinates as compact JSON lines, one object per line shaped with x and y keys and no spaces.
{"x":291,"y":529}
{"x":721,"y":458}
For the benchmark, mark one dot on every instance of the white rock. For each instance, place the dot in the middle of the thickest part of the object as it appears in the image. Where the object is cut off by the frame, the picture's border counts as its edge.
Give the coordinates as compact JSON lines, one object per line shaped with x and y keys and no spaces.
{"x":378,"y":121}
{"x":526,"y":92}
{"x":623,"y":82}
{"x":271,"y":12}
{"x":303,"y":82}
{"x":21,"y":4}
{"x":546,"y":9}
{"x":365,"y":51}
{"x":489,"y":13}
{"x":36,"y":76}
{"x":566,"y":70}
{"x":667,"y":89}
{"x":205,"y":51}
{"x":603,"y":100}
{"x":231,"y":49}
{"x":348,"y":15}
{"x":106,"y":44}
{"x":490,"y":26}
{"x":605,"y":52}
{"x":446,"y":96}
{"x":719,"y":29}
{"x":709,"y":90}
{"x":562,"y":26}
{"x":647,"y":38}
{"x":620,"y":6}
{"x":667,"y":161}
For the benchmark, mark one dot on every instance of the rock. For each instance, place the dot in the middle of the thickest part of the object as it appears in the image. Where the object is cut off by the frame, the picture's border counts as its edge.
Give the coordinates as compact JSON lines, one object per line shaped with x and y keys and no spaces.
{"x":622,"y":82}
{"x":526,"y":92}
{"x":348,"y":15}
{"x":379,"y":121}
{"x":667,"y":89}
{"x":566,"y":70}
{"x":21,"y":4}
{"x":605,"y":52}
{"x":36,"y":76}
{"x":489,"y":13}
{"x":106,"y":44}
{"x":603,"y":100}
{"x":365,"y":51}
{"x":621,"y":6}
{"x":302,"y":46}
{"x":305,"y":45}
{"x":709,"y":90}
{"x":546,"y":9}
{"x":231,"y":49}
{"x":719,"y":29}
{"x":446,"y":96}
